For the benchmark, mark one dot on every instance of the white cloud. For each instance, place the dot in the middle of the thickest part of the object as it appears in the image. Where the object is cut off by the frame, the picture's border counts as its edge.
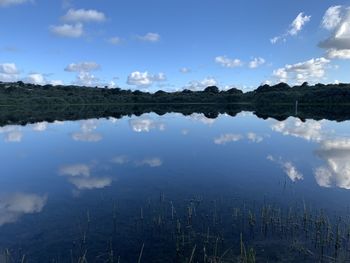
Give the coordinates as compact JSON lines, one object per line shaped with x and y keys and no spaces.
{"x":144,"y":79}
{"x":228,"y":137}
{"x":201,"y":85}
{"x":56,"y":82}
{"x":332,"y":17}
{"x":310,"y":130}
{"x":36,"y":78}
{"x":84,"y":76}
{"x":298,"y":23}
{"x":339,"y":54}
{"x":256,"y":62}
{"x":68,"y":30}
{"x":8,"y":68}
{"x":288,"y":167}
{"x":151,"y":162}
{"x":145,"y":125}
{"x":82,"y":67}
{"x":311,"y":70}
{"x":150,"y":37}
{"x":83,"y":15}
{"x":13,"y":206}
{"x":228,"y":62}
{"x":185,"y":70}
{"x":5,"y":3}
{"x":87,"y":79}
{"x":8,"y":72}
{"x":114,"y":40}
{"x":337,"y":20}
{"x":294,"y":28}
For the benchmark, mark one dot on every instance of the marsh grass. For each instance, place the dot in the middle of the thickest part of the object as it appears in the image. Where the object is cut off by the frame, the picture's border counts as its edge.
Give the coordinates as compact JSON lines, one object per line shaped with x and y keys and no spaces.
{"x":209,"y":231}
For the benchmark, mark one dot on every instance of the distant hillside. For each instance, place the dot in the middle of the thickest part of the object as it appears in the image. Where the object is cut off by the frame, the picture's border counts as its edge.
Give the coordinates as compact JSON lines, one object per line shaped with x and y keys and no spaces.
{"x":20,"y":93}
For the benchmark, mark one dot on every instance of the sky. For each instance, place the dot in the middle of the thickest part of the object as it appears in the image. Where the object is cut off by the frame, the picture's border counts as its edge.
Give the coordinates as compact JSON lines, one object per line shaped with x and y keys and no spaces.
{"x":173,"y":45}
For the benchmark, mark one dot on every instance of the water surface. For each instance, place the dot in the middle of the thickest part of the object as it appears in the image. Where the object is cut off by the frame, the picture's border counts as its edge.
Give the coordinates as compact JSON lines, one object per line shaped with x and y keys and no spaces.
{"x":163,"y":188}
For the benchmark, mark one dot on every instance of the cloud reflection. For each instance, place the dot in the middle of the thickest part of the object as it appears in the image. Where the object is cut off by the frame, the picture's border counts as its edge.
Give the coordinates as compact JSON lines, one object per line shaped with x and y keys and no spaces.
{"x":310,"y":130}
{"x":87,"y":132}
{"x":151,"y":162}
{"x":200,"y":117}
{"x":12,"y":133}
{"x":336,"y":154}
{"x":144,"y":124}
{"x":288,"y":167}
{"x":253,"y":137}
{"x":80,"y":176}
{"x":226,"y":138}
{"x":13,"y":206}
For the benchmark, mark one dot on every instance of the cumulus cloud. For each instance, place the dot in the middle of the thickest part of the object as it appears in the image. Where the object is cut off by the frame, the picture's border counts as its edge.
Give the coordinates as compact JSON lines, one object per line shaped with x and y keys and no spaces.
{"x":5,"y":3}
{"x":144,"y":79}
{"x":68,"y":30}
{"x":288,"y":167}
{"x":202,"y":84}
{"x":151,"y":162}
{"x":13,"y":206}
{"x":150,"y":37}
{"x":311,"y":70}
{"x":83,"y":15}
{"x":294,"y":28}
{"x":84,"y":73}
{"x":87,"y":132}
{"x":310,"y":130}
{"x":36,"y":78}
{"x":8,"y":72}
{"x":144,"y":124}
{"x":256,"y":62}
{"x":337,"y":21}
{"x":338,"y":54}
{"x":12,"y":133}
{"x":226,"y":62}
{"x":336,"y":154}
{"x":228,"y":137}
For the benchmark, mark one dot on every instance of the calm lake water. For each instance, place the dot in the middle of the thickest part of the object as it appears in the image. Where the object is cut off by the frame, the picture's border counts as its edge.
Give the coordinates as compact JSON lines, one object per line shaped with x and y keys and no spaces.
{"x":175,"y":188}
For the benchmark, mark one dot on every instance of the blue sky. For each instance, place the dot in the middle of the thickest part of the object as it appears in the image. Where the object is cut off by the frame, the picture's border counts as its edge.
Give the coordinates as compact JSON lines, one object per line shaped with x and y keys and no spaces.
{"x":171,"y":45}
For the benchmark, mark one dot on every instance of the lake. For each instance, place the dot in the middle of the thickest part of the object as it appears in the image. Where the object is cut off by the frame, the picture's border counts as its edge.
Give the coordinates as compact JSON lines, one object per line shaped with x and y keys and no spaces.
{"x":175,"y":188}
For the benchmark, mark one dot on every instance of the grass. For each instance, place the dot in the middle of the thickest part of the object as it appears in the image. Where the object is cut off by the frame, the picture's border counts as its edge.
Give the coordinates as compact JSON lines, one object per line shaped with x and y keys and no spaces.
{"x":209,"y":231}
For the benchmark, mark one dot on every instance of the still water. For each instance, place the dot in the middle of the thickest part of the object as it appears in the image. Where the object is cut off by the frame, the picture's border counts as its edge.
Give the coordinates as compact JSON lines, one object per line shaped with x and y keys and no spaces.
{"x":175,"y":188}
